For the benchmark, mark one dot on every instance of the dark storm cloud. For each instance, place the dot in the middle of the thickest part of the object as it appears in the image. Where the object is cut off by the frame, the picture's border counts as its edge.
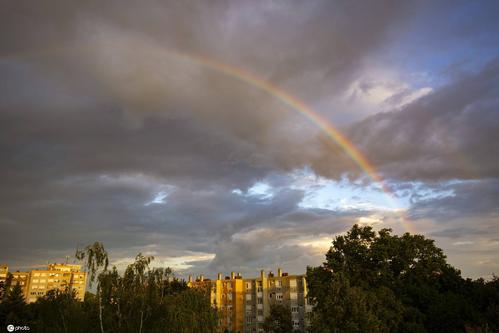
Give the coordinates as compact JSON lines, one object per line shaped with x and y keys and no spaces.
{"x":452,"y":133}
{"x":115,"y":56}
{"x":465,"y":224}
{"x":469,"y":200}
{"x":101,"y":112}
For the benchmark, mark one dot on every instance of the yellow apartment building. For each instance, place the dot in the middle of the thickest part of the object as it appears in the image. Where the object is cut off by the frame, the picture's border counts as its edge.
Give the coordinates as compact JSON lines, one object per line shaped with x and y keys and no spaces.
{"x":21,"y":278}
{"x":245,"y":303}
{"x":3,"y":278}
{"x":38,"y":282}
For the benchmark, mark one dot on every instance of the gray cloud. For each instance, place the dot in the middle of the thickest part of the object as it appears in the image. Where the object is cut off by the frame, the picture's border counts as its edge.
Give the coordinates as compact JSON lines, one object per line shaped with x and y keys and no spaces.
{"x":469,"y":199}
{"x":105,"y":106}
{"x":464,"y":224}
{"x":452,"y":133}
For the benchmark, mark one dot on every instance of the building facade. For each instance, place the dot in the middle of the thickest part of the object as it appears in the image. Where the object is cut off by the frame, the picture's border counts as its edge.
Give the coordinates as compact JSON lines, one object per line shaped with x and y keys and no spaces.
{"x":3,"y":278}
{"x":37,"y":283}
{"x":245,"y":303}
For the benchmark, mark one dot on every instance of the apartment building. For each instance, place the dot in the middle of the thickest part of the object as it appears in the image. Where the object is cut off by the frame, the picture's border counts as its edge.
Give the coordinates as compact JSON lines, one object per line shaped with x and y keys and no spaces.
{"x":245,"y":303}
{"x":38,"y":282}
{"x":20,"y":278}
{"x":4,"y":269}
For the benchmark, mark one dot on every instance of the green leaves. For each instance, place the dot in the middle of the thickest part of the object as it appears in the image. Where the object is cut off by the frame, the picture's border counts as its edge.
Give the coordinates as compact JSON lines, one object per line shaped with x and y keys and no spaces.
{"x":96,"y":256}
{"x":145,"y":299}
{"x":379,"y":282}
{"x":279,"y":320}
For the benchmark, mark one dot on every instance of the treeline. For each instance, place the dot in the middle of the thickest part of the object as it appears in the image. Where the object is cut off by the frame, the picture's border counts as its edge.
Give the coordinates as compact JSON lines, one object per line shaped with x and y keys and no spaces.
{"x":379,"y":282}
{"x":370,"y":282}
{"x":142,"y":299}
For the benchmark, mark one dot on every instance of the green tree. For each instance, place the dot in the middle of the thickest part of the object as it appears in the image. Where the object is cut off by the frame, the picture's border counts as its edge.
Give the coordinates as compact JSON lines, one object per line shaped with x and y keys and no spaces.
{"x":61,"y":311}
{"x":97,"y":259}
{"x":13,"y":309}
{"x":341,"y":307}
{"x":381,"y":282}
{"x":279,"y":319}
{"x":145,"y":299}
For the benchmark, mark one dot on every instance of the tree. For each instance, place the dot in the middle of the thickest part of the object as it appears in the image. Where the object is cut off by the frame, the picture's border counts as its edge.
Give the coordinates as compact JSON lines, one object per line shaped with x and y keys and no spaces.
{"x":279,"y":320}
{"x":13,"y":309}
{"x":97,"y":259}
{"x":341,"y":307}
{"x":145,"y":299}
{"x":61,"y":311}
{"x":381,"y":282}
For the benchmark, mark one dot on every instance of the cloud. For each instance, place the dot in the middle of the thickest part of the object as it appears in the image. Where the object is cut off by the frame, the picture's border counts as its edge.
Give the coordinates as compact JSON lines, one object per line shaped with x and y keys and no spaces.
{"x":113,"y":129}
{"x":464,"y":224}
{"x":469,"y":200}
{"x":448,"y":134}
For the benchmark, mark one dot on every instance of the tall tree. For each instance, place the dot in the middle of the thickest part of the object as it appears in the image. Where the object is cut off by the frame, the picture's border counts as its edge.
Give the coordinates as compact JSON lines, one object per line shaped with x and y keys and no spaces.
{"x":13,"y":309}
{"x":279,"y":319}
{"x":391,"y":284}
{"x":145,"y":299}
{"x":96,"y":259}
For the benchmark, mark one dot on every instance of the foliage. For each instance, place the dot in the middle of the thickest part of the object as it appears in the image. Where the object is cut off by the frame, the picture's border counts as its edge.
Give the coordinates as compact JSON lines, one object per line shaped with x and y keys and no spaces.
{"x":279,"y":319}
{"x":13,"y":309}
{"x":60,"y":311}
{"x":96,"y":256}
{"x":141,"y":299}
{"x":379,"y":282}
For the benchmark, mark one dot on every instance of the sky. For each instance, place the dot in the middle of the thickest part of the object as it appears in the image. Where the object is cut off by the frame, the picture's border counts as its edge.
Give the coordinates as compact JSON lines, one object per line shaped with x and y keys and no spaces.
{"x":176,"y":129}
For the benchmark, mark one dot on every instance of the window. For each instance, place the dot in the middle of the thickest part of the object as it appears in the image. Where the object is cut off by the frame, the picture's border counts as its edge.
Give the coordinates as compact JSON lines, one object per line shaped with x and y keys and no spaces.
{"x":292,"y":283}
{"x":294,"y":309}
{"x":279,"y":297}
{"x":260,"y":300}
{"x":248,"y":297}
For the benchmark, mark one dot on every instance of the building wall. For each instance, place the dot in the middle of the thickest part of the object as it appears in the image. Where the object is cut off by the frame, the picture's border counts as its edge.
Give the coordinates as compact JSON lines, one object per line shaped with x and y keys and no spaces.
{"x":37,"y":283}
{"x":245,"y":303}
{"x":3,"y":278}
{"x":21,"y":278}
{"x":227,"y":295}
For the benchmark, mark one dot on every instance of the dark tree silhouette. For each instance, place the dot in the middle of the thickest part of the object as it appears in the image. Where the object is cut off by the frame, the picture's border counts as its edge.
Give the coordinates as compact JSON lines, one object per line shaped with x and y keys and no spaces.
{"x":379,"y":282}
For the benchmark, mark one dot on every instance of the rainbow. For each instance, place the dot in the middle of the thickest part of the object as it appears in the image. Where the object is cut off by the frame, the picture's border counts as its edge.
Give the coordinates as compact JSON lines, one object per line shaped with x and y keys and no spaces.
{"x":294,"y":103}
{"x":315,"y":118}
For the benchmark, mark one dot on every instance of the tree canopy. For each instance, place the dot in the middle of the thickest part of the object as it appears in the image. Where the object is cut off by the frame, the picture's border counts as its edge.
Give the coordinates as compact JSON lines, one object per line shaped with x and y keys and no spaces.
{"x":279,"y":319}
{"x":379,"y":282}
